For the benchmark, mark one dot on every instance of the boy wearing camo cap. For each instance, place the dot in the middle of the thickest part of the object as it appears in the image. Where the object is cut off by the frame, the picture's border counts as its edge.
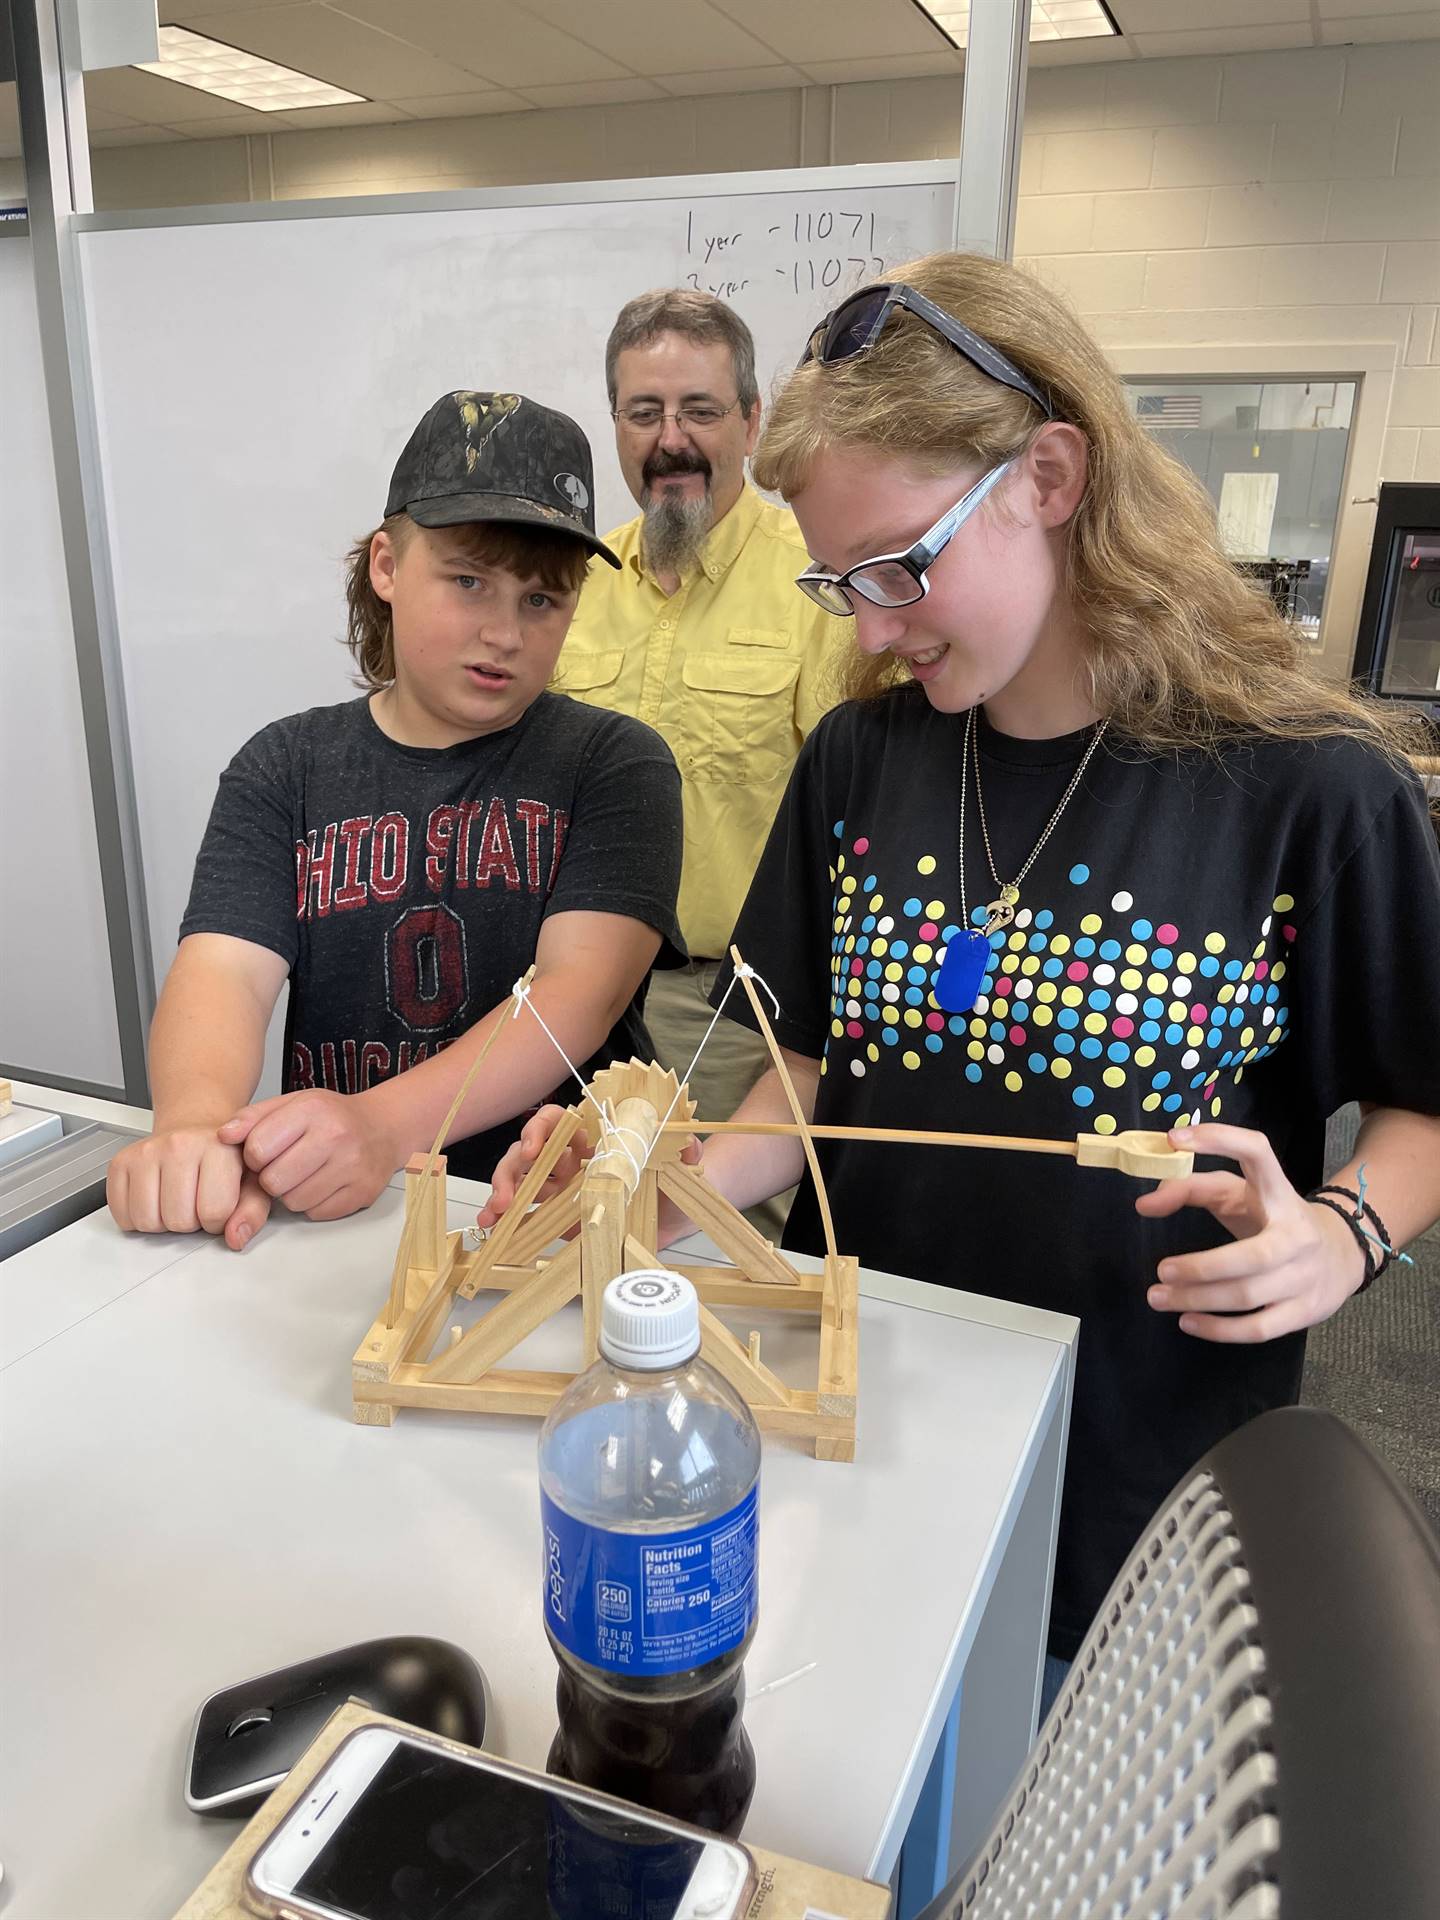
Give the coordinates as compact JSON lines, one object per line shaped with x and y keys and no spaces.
{"x":402,"y":858}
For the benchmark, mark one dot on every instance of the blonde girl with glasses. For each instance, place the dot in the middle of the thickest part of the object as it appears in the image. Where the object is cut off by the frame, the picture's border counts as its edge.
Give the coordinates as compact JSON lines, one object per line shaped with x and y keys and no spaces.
{"x":1089,"y":847}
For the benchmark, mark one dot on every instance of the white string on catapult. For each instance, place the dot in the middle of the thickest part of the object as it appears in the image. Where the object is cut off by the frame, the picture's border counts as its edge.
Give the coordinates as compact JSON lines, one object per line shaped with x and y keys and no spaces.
{"x":610,"y":1128}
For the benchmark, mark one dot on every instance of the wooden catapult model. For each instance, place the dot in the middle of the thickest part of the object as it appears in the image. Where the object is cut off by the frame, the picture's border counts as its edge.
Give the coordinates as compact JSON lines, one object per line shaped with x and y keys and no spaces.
{"x":635,"y":1121}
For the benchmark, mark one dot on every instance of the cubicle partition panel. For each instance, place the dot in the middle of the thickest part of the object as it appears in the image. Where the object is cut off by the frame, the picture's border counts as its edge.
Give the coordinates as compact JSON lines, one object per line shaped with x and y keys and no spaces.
{"x":57,"y":1001}
{"x":258,"y":370}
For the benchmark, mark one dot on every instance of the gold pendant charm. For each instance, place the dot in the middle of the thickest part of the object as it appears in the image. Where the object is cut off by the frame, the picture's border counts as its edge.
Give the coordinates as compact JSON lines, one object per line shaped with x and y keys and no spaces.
{"x":999,"y":913}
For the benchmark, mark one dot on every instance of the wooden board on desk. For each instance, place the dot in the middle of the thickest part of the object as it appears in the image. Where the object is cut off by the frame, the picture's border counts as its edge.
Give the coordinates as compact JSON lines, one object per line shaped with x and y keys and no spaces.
{"x":786,"y":1889}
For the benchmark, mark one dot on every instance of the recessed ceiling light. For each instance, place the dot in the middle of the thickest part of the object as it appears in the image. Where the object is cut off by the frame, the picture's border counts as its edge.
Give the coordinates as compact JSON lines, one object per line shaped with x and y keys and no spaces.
{"x":197,"y":61}
{"x":1049,"y":19}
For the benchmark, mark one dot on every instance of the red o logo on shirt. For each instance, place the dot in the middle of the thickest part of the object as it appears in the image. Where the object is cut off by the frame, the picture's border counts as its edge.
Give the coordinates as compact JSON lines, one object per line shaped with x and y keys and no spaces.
{"x":426,"y":977}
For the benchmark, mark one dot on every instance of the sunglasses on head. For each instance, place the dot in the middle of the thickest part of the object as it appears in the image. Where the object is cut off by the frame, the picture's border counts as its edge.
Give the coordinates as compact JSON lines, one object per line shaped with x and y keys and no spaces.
{"x":857,"y":323}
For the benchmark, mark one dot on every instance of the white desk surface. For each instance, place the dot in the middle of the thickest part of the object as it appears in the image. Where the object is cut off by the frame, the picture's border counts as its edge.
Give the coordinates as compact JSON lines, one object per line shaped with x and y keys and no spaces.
{"x":185,"y":1502}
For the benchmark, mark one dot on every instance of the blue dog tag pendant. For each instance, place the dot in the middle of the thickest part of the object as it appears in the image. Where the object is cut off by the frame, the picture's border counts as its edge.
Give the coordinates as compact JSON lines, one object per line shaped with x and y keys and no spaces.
{"x":958,"y":982}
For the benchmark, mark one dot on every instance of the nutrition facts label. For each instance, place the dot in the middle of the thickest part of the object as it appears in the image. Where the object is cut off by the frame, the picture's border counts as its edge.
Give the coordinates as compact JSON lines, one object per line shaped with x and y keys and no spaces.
{"x":652,"y":1603}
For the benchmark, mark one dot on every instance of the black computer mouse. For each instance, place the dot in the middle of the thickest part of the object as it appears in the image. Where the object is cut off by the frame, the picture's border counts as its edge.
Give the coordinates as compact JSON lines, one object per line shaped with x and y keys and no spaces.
{"x":246,"y":1738}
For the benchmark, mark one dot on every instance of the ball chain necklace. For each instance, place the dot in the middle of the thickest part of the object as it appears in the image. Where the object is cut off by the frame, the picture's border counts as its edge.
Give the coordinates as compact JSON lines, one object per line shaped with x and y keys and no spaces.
{"x":968,"y":954}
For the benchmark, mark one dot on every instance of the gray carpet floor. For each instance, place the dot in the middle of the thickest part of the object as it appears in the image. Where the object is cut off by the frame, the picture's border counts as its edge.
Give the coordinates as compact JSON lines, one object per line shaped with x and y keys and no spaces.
{"x":1377,"y":1362}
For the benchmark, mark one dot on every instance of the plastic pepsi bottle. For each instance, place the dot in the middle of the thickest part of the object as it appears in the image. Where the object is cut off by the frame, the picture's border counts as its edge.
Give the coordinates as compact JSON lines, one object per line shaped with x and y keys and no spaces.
{"x":649,"y":1497}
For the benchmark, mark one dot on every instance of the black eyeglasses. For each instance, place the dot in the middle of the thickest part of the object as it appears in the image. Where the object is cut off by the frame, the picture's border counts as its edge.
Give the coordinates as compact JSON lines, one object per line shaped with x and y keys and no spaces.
{"x":897,"y":579}
{"x":857,"y":323}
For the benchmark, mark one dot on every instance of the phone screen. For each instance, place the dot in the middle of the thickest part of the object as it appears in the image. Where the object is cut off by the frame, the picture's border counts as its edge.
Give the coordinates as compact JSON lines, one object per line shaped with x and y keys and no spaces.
{"x":434,"y":1839}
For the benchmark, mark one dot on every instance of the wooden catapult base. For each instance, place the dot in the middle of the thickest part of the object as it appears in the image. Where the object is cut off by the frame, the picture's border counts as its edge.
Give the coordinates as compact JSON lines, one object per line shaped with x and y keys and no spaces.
{"x":635,"y":1121}
{"x":613,"y":1201}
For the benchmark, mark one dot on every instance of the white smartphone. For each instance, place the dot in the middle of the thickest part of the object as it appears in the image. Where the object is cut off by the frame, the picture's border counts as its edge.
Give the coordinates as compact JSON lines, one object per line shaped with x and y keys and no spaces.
{"x":398,"y":1827}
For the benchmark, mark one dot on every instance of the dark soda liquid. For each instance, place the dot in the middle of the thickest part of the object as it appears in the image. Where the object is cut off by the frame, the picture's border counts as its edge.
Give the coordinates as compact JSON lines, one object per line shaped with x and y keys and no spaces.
{"x":689,"y":1757}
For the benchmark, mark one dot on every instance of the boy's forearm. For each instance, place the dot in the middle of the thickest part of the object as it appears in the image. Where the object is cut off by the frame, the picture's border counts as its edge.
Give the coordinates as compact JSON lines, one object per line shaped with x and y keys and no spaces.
{"x":523,"y":1067}
{"x":207,"y":1047}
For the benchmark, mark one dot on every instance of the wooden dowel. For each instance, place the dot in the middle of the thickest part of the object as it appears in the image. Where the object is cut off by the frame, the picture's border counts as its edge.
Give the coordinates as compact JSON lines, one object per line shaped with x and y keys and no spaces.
{"x":901,"y":1136}
{"x":499,"y":1239}
{"x":396,"y":1303}
{"x":1146,"y":1155}
{"x":802,"y":1125}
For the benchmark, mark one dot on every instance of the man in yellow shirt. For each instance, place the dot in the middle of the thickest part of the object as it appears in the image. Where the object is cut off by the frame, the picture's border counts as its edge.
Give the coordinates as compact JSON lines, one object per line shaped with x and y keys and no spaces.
{"x":704,"y":635}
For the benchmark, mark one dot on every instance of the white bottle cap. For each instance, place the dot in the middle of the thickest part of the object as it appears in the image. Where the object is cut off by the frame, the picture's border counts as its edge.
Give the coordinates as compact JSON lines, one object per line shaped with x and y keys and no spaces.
{"x":650,"y":1320}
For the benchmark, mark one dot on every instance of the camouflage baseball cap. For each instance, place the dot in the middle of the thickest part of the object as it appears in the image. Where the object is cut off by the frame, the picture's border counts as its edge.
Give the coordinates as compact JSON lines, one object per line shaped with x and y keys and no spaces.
{"x":497,"y":457}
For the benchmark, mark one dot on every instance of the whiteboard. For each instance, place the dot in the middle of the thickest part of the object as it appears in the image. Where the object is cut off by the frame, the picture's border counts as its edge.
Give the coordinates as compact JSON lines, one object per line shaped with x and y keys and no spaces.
{"x":57,"y":995}
{"x":257,"y":378}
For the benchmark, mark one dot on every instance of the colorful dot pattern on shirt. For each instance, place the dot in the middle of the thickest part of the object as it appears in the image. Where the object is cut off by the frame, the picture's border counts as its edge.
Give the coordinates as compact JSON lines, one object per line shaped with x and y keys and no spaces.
{"x":1110,"y":1000}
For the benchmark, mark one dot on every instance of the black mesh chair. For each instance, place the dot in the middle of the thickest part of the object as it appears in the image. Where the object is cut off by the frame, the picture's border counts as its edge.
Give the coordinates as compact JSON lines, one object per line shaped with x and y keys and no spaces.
{"x":1251,"y":1730}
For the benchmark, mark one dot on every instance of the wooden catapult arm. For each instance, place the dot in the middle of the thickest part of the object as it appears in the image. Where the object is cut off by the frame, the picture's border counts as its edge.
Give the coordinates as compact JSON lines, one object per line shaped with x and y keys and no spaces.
{"x":1149,"y":1156}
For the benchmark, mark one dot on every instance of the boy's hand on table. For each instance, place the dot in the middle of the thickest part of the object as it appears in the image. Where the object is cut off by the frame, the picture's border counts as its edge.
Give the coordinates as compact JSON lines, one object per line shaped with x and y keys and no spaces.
{"x":184,"y":1180}
{"x":322,"y":1154}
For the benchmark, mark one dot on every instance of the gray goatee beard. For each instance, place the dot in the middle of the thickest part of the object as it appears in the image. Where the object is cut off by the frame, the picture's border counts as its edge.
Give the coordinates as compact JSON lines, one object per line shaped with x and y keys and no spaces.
{"x":675,"y":530}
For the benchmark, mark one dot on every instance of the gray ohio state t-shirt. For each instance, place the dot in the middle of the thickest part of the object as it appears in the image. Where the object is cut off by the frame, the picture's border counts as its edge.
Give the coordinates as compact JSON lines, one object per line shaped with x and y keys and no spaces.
{"x":406,"y":887}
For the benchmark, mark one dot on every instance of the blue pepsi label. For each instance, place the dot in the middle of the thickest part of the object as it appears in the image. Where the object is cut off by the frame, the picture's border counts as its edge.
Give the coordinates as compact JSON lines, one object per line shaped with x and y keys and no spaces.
{"x":651,"y":1603}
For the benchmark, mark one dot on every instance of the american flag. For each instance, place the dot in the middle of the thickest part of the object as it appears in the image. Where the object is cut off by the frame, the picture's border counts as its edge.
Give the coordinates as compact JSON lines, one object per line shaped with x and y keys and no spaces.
{"x":1168,"y":409}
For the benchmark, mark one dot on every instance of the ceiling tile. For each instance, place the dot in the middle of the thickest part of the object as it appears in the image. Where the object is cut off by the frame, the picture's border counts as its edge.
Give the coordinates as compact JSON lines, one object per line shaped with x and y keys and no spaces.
{"x":181,"y":13}
{"x":1380,"y":27}
{"x":593,"y":93}
{"x":1165,"y":46}
{"x":1358,"y":9}
{"x":829,"y":30}
{"x":921,"y":66}
{"x":462,"y":106}
{"x":135,"y":137}
{"x":733,"y":80}
{"x":656,"y":36}
{"x":145,"y":97}
{"x":1079,"y":53}
{"x":496,"y":38}
{"x":366,"y":113}
{"x":98,"y":120}
{"x":235,"y":125}
{"x":1175,"y":16}
{"x":347,"y":52}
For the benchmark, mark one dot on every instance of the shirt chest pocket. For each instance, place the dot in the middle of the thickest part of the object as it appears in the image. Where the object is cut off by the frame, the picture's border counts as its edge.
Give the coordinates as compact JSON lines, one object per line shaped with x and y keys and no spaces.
{"x":740,"y":715}
{"x":759,"y":637}
{"x":588,"y":671}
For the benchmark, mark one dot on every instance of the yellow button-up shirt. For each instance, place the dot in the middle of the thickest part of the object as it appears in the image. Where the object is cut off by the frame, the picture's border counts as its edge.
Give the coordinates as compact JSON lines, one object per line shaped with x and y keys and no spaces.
{"x":733,"y":669}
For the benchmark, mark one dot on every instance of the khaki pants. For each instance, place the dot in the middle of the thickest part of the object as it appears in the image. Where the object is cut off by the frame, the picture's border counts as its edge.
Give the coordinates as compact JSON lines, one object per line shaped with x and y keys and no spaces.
{"x":677,"y":1012}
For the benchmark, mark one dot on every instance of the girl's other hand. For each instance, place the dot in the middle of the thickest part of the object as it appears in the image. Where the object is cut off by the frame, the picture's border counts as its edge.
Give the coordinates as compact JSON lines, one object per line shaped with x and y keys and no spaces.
{"x":1291,"y":1264}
